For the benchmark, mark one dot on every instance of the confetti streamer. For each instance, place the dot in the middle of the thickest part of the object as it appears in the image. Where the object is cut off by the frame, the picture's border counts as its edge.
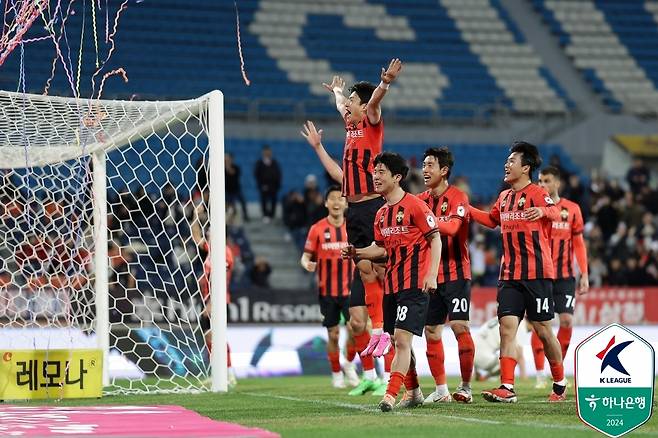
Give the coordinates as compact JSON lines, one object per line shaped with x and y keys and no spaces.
{"x":237,"y":23}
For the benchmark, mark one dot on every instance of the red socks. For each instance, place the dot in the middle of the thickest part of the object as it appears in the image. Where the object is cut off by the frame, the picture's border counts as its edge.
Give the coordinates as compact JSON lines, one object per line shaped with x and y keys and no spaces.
{"x":394,"y":384}
{"x":374,"y":298}
{"x":334,"y":361}
{"x":388,"y":359}
{"x":351,"y":351}
{"x":537,"y":351}
{"x":557,"y":370}
{"x":564,"y":338}
{"x":361,"y":342}
{"x":507,"y":366}
{"x":435,"y":359}
{"x":466,"y":349}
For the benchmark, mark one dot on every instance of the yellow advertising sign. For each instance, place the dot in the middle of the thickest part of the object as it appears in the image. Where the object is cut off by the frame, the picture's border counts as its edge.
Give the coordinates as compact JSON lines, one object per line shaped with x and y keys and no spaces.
{"x":39,"y":374}
{"x":640,"y":145}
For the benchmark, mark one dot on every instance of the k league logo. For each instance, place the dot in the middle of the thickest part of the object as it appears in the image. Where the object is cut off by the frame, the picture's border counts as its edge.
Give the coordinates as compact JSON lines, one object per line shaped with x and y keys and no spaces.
{"x":614,"y":380}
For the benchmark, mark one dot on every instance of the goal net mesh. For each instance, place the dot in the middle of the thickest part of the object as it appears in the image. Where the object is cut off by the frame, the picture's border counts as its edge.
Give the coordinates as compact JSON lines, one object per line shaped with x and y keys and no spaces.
{"x":154,"y":198}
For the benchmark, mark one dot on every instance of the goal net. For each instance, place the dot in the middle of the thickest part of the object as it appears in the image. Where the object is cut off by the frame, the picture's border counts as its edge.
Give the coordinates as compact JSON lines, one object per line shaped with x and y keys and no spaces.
{"x":105,"y":223}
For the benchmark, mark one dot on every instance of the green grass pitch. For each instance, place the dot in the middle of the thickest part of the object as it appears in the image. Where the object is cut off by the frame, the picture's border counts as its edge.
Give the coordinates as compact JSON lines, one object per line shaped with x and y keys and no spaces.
{"x":308,"y":406}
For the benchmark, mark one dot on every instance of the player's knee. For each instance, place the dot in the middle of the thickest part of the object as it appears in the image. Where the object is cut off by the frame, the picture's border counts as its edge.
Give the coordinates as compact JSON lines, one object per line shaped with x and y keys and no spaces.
{"x":366,"y":271}
{"x":333,"y":334}
{"x":459,"y":327}
{"x":433,"y":332}
{"x":402,"y":343}
{"x":566,"y":321}
{"x":357,"y":324}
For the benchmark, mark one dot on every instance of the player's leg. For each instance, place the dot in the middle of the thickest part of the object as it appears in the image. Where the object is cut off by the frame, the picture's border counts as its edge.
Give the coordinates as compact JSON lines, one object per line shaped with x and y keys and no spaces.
{"x":360,"y":218}
{"x":541,"y":310}
{"x":350,"y":348}
{"x":437,"y":312}
{"x":373,"y":299}
{"x":564,"y":294}
{"x":511,"y":308}
{"x":389,"y":307}
{"x":539,"y":358}
{"x":411,"y":315}
{"x":459,"y":299}
{"x":358,"y":322}
{"x":333,"y":354}
{"x":330,"y":318}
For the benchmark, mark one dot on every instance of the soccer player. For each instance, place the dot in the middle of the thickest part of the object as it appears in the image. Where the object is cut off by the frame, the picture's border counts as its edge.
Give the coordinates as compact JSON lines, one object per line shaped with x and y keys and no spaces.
{"x":566,"y":242}
{"x":204,"y":284}
{"x":322,"y":254}
{"x":407,"y":234}
{"x":453,"y":297}
{"x":525,"y":213}
{"x":361,"y":112}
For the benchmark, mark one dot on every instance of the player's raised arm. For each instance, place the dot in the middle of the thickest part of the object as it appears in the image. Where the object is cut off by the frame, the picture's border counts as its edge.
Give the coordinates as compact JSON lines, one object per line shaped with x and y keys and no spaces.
{"x":374,"y":109}
{"x":336,"y":87}
{"x":314,"y":138}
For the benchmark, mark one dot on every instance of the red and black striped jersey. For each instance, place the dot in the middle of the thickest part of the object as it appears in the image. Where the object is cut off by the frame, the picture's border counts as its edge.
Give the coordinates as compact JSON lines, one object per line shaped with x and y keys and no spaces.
{"x":403,"y":229}
{"x":526,"y":244}
{"x":363,"y":142}
{"x":455,"y":258}
{"x":334,"y":273}
{"x":562,"y":233}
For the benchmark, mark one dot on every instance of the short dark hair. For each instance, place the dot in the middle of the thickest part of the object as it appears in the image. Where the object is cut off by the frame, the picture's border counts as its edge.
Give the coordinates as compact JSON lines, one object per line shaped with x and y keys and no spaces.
{"x":332,"y":188}
{"x":551,"y":170}
{"x":530,"y":155}
{"x":364,"y":90}
{"x":393,"y":162}
{"x":443,"y":156}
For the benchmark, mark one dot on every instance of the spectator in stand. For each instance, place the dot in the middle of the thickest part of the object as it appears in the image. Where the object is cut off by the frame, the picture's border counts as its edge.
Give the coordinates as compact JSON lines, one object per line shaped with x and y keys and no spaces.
{"x":556,"y":162}
{"x":617,"y":275}
{"x":575,"y":191}
{"x":607,"y":217}
{"x":597,"y":272}
{"x":632,"y":211}
{"x":268,"y":180}
{"x":234,"y":185}
{"x":314,"y":200}
{"x":636,"y":276}
{"x":260,"y":273}
{"x":295,"y":219}
{"x":638,"y":176}
{"x":414,"y":182}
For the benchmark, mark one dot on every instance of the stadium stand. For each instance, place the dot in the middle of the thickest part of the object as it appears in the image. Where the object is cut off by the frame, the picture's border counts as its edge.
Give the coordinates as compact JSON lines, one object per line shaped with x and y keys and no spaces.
{"x":612,"y":43}
{"x":460,"y":57}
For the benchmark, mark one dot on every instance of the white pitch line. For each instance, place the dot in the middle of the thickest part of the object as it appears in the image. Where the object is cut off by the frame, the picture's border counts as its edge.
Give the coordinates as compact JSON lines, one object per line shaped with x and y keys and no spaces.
{"x":410,"y":413}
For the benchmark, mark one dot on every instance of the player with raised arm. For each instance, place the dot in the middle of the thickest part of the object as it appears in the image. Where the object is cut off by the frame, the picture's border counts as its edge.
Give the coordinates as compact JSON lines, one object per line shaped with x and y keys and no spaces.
{"x":322,"y":254}
{"x":452,"y":299}
{"x":407,"y":234}
{"x":364,"y":130}
{"x":566,"y":242}
{"x":525,"y":214}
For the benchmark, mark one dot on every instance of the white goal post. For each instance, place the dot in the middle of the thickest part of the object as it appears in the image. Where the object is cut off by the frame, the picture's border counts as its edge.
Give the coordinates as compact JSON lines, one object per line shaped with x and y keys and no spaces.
{"x":69,"y":275}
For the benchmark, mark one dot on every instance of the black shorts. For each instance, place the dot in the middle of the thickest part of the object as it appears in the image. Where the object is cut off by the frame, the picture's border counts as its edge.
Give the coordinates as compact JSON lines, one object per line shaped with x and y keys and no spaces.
{"x":564,"y":294}
{"x":360,"y":221}
{"x":451,"y":300}
{"x":533,"y":298}
{"x":406,"y":310}
{"x":331,"y":308}
{"x":357,"y":290}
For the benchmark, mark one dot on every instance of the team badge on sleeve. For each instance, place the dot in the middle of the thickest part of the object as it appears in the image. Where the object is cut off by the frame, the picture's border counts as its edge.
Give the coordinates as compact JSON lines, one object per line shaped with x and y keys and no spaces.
{"x":461,"y":211}
{"x":548,"y":200}
{"x":430,"y":221}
